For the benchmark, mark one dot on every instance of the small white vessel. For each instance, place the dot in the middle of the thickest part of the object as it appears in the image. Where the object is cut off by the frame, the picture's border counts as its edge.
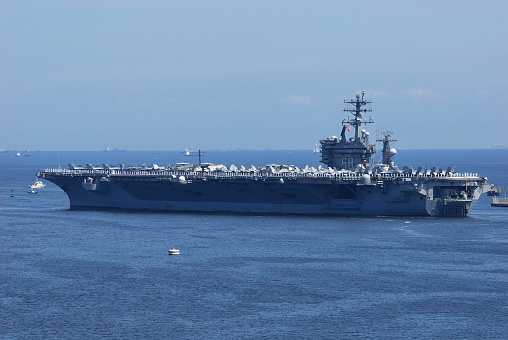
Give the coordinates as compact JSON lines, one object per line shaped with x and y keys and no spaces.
{"x":37,"y":185}
{"x":187,"y":152}
{"x":174,"y":251}
{"x":32,"y":191}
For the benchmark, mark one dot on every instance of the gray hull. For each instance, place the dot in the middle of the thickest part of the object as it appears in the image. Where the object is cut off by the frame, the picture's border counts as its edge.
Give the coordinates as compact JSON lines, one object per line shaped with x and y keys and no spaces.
{"x":267,"y":195}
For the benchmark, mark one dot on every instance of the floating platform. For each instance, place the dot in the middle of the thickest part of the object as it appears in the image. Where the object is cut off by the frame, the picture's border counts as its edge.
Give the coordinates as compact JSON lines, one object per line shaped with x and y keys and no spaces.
{"x":500,"y":202}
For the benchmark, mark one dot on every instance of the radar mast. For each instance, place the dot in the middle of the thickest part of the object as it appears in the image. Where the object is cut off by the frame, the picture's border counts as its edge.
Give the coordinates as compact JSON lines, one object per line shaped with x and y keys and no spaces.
{"x":388,"y":153}
{"x":358,"y":114}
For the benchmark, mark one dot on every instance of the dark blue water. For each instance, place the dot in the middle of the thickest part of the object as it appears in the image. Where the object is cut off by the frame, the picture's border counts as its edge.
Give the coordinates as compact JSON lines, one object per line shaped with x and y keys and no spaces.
{"x":85,"y":274}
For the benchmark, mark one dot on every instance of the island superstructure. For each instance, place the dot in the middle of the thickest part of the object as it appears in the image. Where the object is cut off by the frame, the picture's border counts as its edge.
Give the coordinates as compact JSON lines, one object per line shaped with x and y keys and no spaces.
{"x":349,"y":183}
{"x":356,"y":152}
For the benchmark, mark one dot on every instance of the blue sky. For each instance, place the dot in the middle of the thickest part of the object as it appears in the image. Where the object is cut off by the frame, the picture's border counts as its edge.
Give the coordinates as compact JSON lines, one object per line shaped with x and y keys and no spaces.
{"x":167,"y":75}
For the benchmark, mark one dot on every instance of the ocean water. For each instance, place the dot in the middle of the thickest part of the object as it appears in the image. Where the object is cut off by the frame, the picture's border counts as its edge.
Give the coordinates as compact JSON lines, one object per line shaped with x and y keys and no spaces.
{"x":98,"y":274}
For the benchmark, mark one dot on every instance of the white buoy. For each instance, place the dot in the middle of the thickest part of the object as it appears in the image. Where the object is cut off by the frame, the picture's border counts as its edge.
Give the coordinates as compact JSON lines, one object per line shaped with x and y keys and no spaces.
{"x":173,"y":251}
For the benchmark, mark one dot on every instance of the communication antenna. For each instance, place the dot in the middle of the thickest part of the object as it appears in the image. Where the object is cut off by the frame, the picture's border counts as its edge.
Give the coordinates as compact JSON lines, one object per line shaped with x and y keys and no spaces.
{"x":357,"y":112}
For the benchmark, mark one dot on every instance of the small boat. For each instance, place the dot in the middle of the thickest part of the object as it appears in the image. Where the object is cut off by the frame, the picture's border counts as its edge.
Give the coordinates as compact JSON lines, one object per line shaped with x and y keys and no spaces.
{"x":32,"y":191}
{"x":37,"y":185}
{"x":187,"y":152}
{"x":500,"y":202}
{"x":174,"y":251}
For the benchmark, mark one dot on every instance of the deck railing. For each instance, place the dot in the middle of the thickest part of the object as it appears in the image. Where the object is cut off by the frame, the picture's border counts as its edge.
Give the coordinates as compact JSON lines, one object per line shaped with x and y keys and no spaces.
{"x":335,"y":175}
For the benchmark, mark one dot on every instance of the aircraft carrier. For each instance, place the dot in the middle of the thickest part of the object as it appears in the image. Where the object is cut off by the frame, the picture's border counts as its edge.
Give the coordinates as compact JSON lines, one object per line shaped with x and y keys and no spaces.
{"x":349,"y":183}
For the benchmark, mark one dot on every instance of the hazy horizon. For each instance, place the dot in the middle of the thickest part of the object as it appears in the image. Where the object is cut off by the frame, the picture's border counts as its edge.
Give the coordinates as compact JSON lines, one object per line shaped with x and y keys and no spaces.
{"x":501,"y":147}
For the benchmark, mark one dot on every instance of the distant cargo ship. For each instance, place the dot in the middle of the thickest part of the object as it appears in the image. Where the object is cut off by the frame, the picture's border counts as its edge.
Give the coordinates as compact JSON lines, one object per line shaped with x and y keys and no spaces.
{"x":349,"y":183}
{"x":112,"y":150}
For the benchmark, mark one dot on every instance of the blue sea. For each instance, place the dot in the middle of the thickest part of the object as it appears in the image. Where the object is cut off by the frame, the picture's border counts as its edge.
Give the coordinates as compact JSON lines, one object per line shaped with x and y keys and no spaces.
{"x":106,"y":274}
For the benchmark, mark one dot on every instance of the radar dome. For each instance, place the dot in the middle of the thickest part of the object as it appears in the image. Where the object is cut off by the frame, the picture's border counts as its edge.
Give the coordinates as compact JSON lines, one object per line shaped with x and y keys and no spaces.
{"x":393,"y":152}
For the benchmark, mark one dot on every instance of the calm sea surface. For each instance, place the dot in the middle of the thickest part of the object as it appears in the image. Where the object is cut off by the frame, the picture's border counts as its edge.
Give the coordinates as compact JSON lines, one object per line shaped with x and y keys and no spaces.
{"x":85,"y":274}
